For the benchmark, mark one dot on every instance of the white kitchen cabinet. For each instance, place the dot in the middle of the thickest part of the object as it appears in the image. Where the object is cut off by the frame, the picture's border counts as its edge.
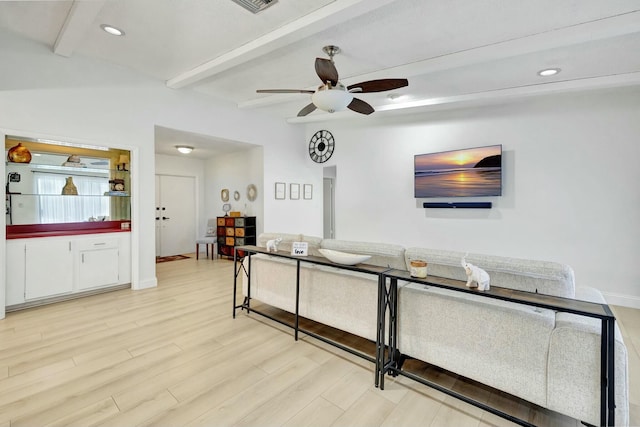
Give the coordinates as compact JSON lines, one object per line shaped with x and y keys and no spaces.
{"x":15,"y":271}
{"x":98,"y":262}
{"x":38,"y":268}
{"x":48,"y":267}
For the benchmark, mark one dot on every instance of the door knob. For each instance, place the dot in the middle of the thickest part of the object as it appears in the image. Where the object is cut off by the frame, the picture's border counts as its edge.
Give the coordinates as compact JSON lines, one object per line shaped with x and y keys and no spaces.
{"x":165,"y":217}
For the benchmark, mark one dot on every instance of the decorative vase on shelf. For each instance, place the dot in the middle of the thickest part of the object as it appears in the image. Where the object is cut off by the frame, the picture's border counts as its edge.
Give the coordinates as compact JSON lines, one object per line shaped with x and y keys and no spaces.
{"x":19,"y":154}
{"x":69,"y":188}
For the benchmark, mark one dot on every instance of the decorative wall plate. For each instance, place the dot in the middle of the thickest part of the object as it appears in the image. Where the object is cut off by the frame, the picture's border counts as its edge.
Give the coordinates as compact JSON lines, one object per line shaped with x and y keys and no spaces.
{"x":252,"y":192}
{"x":236,"y":195}
{"x":224,"y":195}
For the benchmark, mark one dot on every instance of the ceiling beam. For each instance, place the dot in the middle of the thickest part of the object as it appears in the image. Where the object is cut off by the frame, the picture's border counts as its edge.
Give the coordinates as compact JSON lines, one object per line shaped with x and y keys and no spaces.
{"x":491,"y":97}
{"x":614,"y":26}
{"x":599,"y":29}
{"x":333,"y":14}
{"x":80,"y":18}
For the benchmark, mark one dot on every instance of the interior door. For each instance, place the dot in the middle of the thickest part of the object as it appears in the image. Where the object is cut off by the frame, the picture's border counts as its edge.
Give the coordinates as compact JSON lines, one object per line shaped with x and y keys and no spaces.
{"x":175,"y":215}
{"x":328,"y":209}
{"x":157,"y":214}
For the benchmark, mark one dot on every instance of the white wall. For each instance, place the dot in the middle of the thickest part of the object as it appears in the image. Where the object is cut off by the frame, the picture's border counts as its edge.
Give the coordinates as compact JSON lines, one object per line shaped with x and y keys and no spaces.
{"x":234,"y":172}
{"x":78,"y":100}
{"x":570,"y":184}
{"x":290,"y":163}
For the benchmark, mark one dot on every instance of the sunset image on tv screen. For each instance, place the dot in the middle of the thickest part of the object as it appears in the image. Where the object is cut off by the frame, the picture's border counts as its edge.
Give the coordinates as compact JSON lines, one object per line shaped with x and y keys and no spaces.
{"x":461,"y":173}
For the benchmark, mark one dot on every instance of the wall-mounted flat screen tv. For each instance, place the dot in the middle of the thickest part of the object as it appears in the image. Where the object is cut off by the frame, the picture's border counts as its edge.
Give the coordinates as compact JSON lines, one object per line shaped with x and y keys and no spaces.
{"x":472,"y":172}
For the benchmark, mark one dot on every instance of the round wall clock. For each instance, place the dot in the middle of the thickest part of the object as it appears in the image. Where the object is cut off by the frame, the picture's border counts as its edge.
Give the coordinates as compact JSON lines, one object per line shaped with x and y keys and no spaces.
{"x":321,"y":146}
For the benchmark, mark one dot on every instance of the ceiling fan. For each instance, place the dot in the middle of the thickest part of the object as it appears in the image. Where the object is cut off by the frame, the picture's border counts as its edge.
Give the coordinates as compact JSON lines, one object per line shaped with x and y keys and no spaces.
{"x":332,"y":95}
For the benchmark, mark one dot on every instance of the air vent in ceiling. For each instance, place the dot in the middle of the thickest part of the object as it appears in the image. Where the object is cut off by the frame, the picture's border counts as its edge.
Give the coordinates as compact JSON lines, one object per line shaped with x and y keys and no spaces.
{"x":255,"y":6}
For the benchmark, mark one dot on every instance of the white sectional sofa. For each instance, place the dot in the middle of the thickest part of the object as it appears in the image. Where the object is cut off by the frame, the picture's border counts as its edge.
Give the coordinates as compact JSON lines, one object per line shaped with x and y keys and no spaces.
{"x":548,"y":358}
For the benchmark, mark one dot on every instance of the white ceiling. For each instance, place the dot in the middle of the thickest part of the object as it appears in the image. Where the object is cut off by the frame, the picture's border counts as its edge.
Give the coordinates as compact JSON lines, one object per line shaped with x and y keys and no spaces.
{"x":453,"y":52}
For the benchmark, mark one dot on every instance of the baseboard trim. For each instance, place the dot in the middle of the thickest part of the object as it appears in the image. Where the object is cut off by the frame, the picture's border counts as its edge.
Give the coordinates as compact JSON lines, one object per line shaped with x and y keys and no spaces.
{"x":67,"y":297}
{"x":146,"y":284}
{"x":622,"y":300}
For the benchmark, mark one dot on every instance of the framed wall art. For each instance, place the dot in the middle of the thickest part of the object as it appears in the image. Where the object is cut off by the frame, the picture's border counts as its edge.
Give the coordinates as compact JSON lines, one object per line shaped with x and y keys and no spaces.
{"x":307,"y":192}
{"x":294,"y":191}
{"x":281,"y":190}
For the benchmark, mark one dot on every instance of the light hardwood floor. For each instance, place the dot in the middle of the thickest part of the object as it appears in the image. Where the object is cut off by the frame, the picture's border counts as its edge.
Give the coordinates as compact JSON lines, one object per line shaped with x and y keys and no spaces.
{"x":173,"y":356}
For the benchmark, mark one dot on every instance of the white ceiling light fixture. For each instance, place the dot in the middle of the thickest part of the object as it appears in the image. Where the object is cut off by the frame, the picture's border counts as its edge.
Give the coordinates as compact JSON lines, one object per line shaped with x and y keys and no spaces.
{"x":112,"y":30}
{"x":184,"y":149}
{"x":547,"y":72}
{"x":332,"y":99}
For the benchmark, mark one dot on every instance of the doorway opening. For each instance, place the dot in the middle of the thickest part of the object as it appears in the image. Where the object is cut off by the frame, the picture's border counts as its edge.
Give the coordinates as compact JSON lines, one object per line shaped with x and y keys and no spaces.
{"x":328,"y":202}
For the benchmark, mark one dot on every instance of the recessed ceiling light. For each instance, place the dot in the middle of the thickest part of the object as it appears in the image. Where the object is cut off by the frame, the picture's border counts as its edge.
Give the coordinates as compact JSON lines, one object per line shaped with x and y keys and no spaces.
{"x":548,"y":72}
{"x":184,"y":149}
{"x":112,"y":30}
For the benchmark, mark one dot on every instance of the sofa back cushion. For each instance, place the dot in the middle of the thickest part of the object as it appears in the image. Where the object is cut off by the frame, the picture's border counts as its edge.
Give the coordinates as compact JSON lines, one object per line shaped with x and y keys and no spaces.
{"x":288,"y":239}
{"x":382,"y":254}
{"x":544,"y":277}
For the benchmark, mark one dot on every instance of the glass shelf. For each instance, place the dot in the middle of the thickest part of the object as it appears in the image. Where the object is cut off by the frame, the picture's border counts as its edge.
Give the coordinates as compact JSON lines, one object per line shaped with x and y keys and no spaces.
{"x":68,"y":195}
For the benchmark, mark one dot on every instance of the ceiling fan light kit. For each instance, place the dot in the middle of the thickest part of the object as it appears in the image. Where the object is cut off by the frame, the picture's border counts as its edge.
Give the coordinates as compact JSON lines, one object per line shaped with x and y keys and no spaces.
{"x":332,"y":95}
{"x":332,"y":99}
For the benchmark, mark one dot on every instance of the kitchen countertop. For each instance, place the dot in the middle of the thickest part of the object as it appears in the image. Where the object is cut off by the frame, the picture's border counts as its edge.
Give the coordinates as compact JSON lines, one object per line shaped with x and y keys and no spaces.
{"x":28,"y":231}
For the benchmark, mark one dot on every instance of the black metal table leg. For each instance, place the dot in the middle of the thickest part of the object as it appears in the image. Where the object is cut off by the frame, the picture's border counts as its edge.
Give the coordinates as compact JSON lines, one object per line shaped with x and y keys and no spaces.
{"x":380,"y":329}
{"x":235,"y":282}
{"x":607,"y":411}
{"x":297,"y":321}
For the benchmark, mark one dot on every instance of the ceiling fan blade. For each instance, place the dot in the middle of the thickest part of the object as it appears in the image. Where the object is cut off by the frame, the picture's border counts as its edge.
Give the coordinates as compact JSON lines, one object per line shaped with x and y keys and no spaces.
{"x":285,"y":91}
{"x":306,"y":110}
{"x":379,"y":85}
{"x":359,"y":106}
{"x":326,"y":70}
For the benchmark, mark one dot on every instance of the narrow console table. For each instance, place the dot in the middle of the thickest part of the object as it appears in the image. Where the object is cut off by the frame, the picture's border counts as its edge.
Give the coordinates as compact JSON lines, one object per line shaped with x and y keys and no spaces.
{"x":239,"y":267}
{"x":391,"y":362}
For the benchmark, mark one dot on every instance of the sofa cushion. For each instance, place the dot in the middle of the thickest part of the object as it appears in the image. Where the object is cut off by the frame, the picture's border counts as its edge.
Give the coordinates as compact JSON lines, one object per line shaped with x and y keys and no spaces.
{"x":382,"y":254}
{"x":495,"y":342}
{"x":328,"y":294}
{"x":574,"y":370}
{"x":288,"y":239}
{"x":544,"y":277}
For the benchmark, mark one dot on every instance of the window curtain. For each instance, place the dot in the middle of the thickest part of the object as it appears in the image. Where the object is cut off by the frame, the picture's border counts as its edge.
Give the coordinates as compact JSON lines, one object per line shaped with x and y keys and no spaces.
{"x":89,"y":203}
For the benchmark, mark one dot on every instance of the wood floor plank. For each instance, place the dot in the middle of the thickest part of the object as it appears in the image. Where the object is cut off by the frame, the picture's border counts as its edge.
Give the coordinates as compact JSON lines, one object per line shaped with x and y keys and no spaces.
{"x":285,"y":405}
{"x":191,"y":410}
{"x":239,"y":406}
{"x":369,"y":410}
{"x":87,"y":416}
{"x":17,"y":401}
{"x":75,"y":395}
{"x":413,"y":410}
{"x":144,"y":411}
{"x":319,"y":413}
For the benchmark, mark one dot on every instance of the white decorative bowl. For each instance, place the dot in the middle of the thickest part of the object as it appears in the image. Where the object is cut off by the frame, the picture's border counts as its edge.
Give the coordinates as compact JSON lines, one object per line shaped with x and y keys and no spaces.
{"x":343,"y":257}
